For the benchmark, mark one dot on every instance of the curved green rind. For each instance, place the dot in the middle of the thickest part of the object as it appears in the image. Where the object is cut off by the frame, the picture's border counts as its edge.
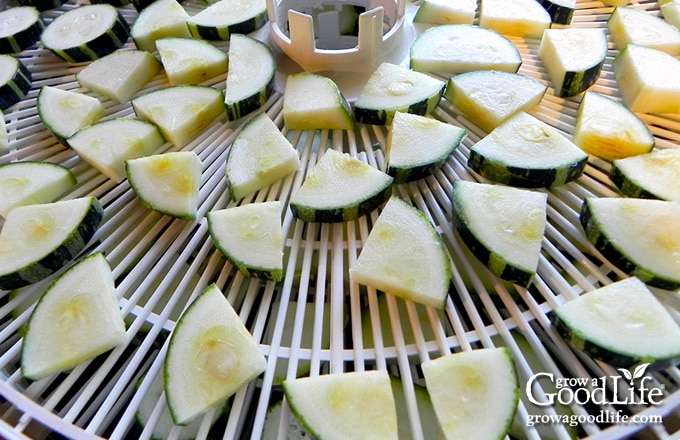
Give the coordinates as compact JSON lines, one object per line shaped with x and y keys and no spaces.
{"x":24,"y":38}
{"x":223,"y":32}
{"x":341,"y":214}
{"x":628,"y":186}
{"x":237,"y":110}
{"x":614,"y":255}
{"x":377,"y":116}
{"x":559,"y":14}
{"x":59,"y":257}
{"x":17,"y":87}
{"x":577,"y":82}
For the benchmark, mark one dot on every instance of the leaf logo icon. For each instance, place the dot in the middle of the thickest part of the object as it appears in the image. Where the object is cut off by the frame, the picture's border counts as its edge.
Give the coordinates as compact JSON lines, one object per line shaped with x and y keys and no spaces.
{"x":637,"y":373}
{"x":627,"y":374}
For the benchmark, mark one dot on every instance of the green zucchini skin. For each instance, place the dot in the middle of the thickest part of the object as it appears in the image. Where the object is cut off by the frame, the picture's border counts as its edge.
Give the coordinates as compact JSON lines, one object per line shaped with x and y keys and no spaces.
{"x":24,"y":38}
{"x":559,"y":14}
{"x":338,"y":215}
{"x":237,"y":110}
{"x":16,"y":88}
{"x":59,"y":257}
{"x":42,"y":5}
{"x":404,"y":175}
{"x":373,"y":116}
{"x":224,"y":32}
{"x":627,"y":186}
{"x":616,"y":257}
{"x":577,"y":82}
{"x":522,"y":177}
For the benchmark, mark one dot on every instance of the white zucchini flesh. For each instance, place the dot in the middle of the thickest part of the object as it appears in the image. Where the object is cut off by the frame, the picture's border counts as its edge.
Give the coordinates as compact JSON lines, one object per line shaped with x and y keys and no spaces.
{"x":656,"y":173}
{"x":608,"y":129}
{"x":344,"y":405}
{"x":474,"y":394}
{"x":20,"y":28}
{"x":224,"y":17}
{"x":313,"y":101}
{"x":259,"y":156}
{"x":120,"y":75}
{"x":404,"y":255}
{"x":458,"y":48}
{"x":64,"y":112}
{"x":623,"y":318}
{"x":160,"y":19}
{"x":167,"y":182}
{"x":446,"y":12}
{"x":107,"y":144}
{"x":76,"y":319}
{"x":181,"y":112}
{"x":211,"y":355}
{"x":28,"y":183}
{"x":520,"y":18}
{"x":628,"y":25}
{"x":670,"y":11}
{"x":191,"y":61}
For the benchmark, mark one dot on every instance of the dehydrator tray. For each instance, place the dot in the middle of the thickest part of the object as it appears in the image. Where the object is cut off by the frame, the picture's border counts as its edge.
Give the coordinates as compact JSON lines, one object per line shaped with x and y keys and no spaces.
{"x":315,"y":321}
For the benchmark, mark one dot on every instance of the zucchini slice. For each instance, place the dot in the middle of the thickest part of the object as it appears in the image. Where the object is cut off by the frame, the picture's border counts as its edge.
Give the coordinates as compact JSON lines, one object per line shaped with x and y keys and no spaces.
{"x":120,"y":75}
{"x":457,"y":48}
{"x":525,"y":151}
{"x":38,"y":240}
{"x":503,"y":226}
{"x":392,"y":88}
{"x":345,"y":405}
{"x":20,"y":28}
{"x":191,"y":61}
{"x":29,"y":182}
{"x":312,"y":101}
{"x":670,"y":11}
{"x":489,"y":97}
{"x":474,"y":393}
{"x":259,"y":156}
{"x":404,"y":255}
{"x":573,"y":58}
{"x":160,"y":19}
{"x":64,"y":112}
{"x":340,"y":188}
{"x":621,"y":323}
{"x":251,"y":237}
{"x":225,"y":17}
{"x":518,"y":18}
{"x":106,"y":145}
{"x":628,"y":25}
{"x":445,"y":12}
{"x":181,"y":112}
{"x":561,"y":11}
{"x":86,"y":33}
{"x":608,"y":129}
{"x":417,"y":146}
{"x":651,"y":176}
{"x":15,"y":81}
{"x":639,"y":236}
{"x":250,"y":79}
{"x":646,"y":79}
{"x":211,"y":355}
{"x":168,"y":182}
{"x":75,"y":320}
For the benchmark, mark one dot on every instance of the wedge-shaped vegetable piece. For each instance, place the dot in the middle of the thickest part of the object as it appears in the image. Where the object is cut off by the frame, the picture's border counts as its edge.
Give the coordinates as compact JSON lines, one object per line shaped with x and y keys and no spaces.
{"x":225,"y":17}
{"x":106,"y":145}
{"x":191,"y":61}
{"x":573,"y":58}
{"x":75,"y":320}
{"x":561,"y":11}
{"x":21,"y":28}
{"x":38,"y":240}
{"x":446,"y":12}
{"x":168,"y":182}
{"x":508,"y":244}
{"x":259,"y":156}
{"x":651,"y":176}
{"x":160,"y":19}
{"x":120,"y":75}
{"x":639,"y":236}
{"x":474,"y":393}
{"x":344,"y":405}
{"x":404,"y":255}
{"x":670,"y":11}
{"x":458,"y":48}
{"x":621,"y":323}
{"x":392,"y":88}
{"x":417,"y":146}
{"x":489,"y":97}
{"x":646,"y":79}
{"x":525,"y":151}
{"x":181,"y":112}
{"x":64,"y":112}
{"x":251,"y":237}
{"x":211,"y":355}
{"x":312,"y":101}
{"x":608,"y":129}
{"x":28,"y":183}
{"x":86,"y":33}
{"x":250,"y":80}
{"x":15,"y":81}
{"x":340,"y":188}
{"x":628,"y":25}
{"x":519,"y":18}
